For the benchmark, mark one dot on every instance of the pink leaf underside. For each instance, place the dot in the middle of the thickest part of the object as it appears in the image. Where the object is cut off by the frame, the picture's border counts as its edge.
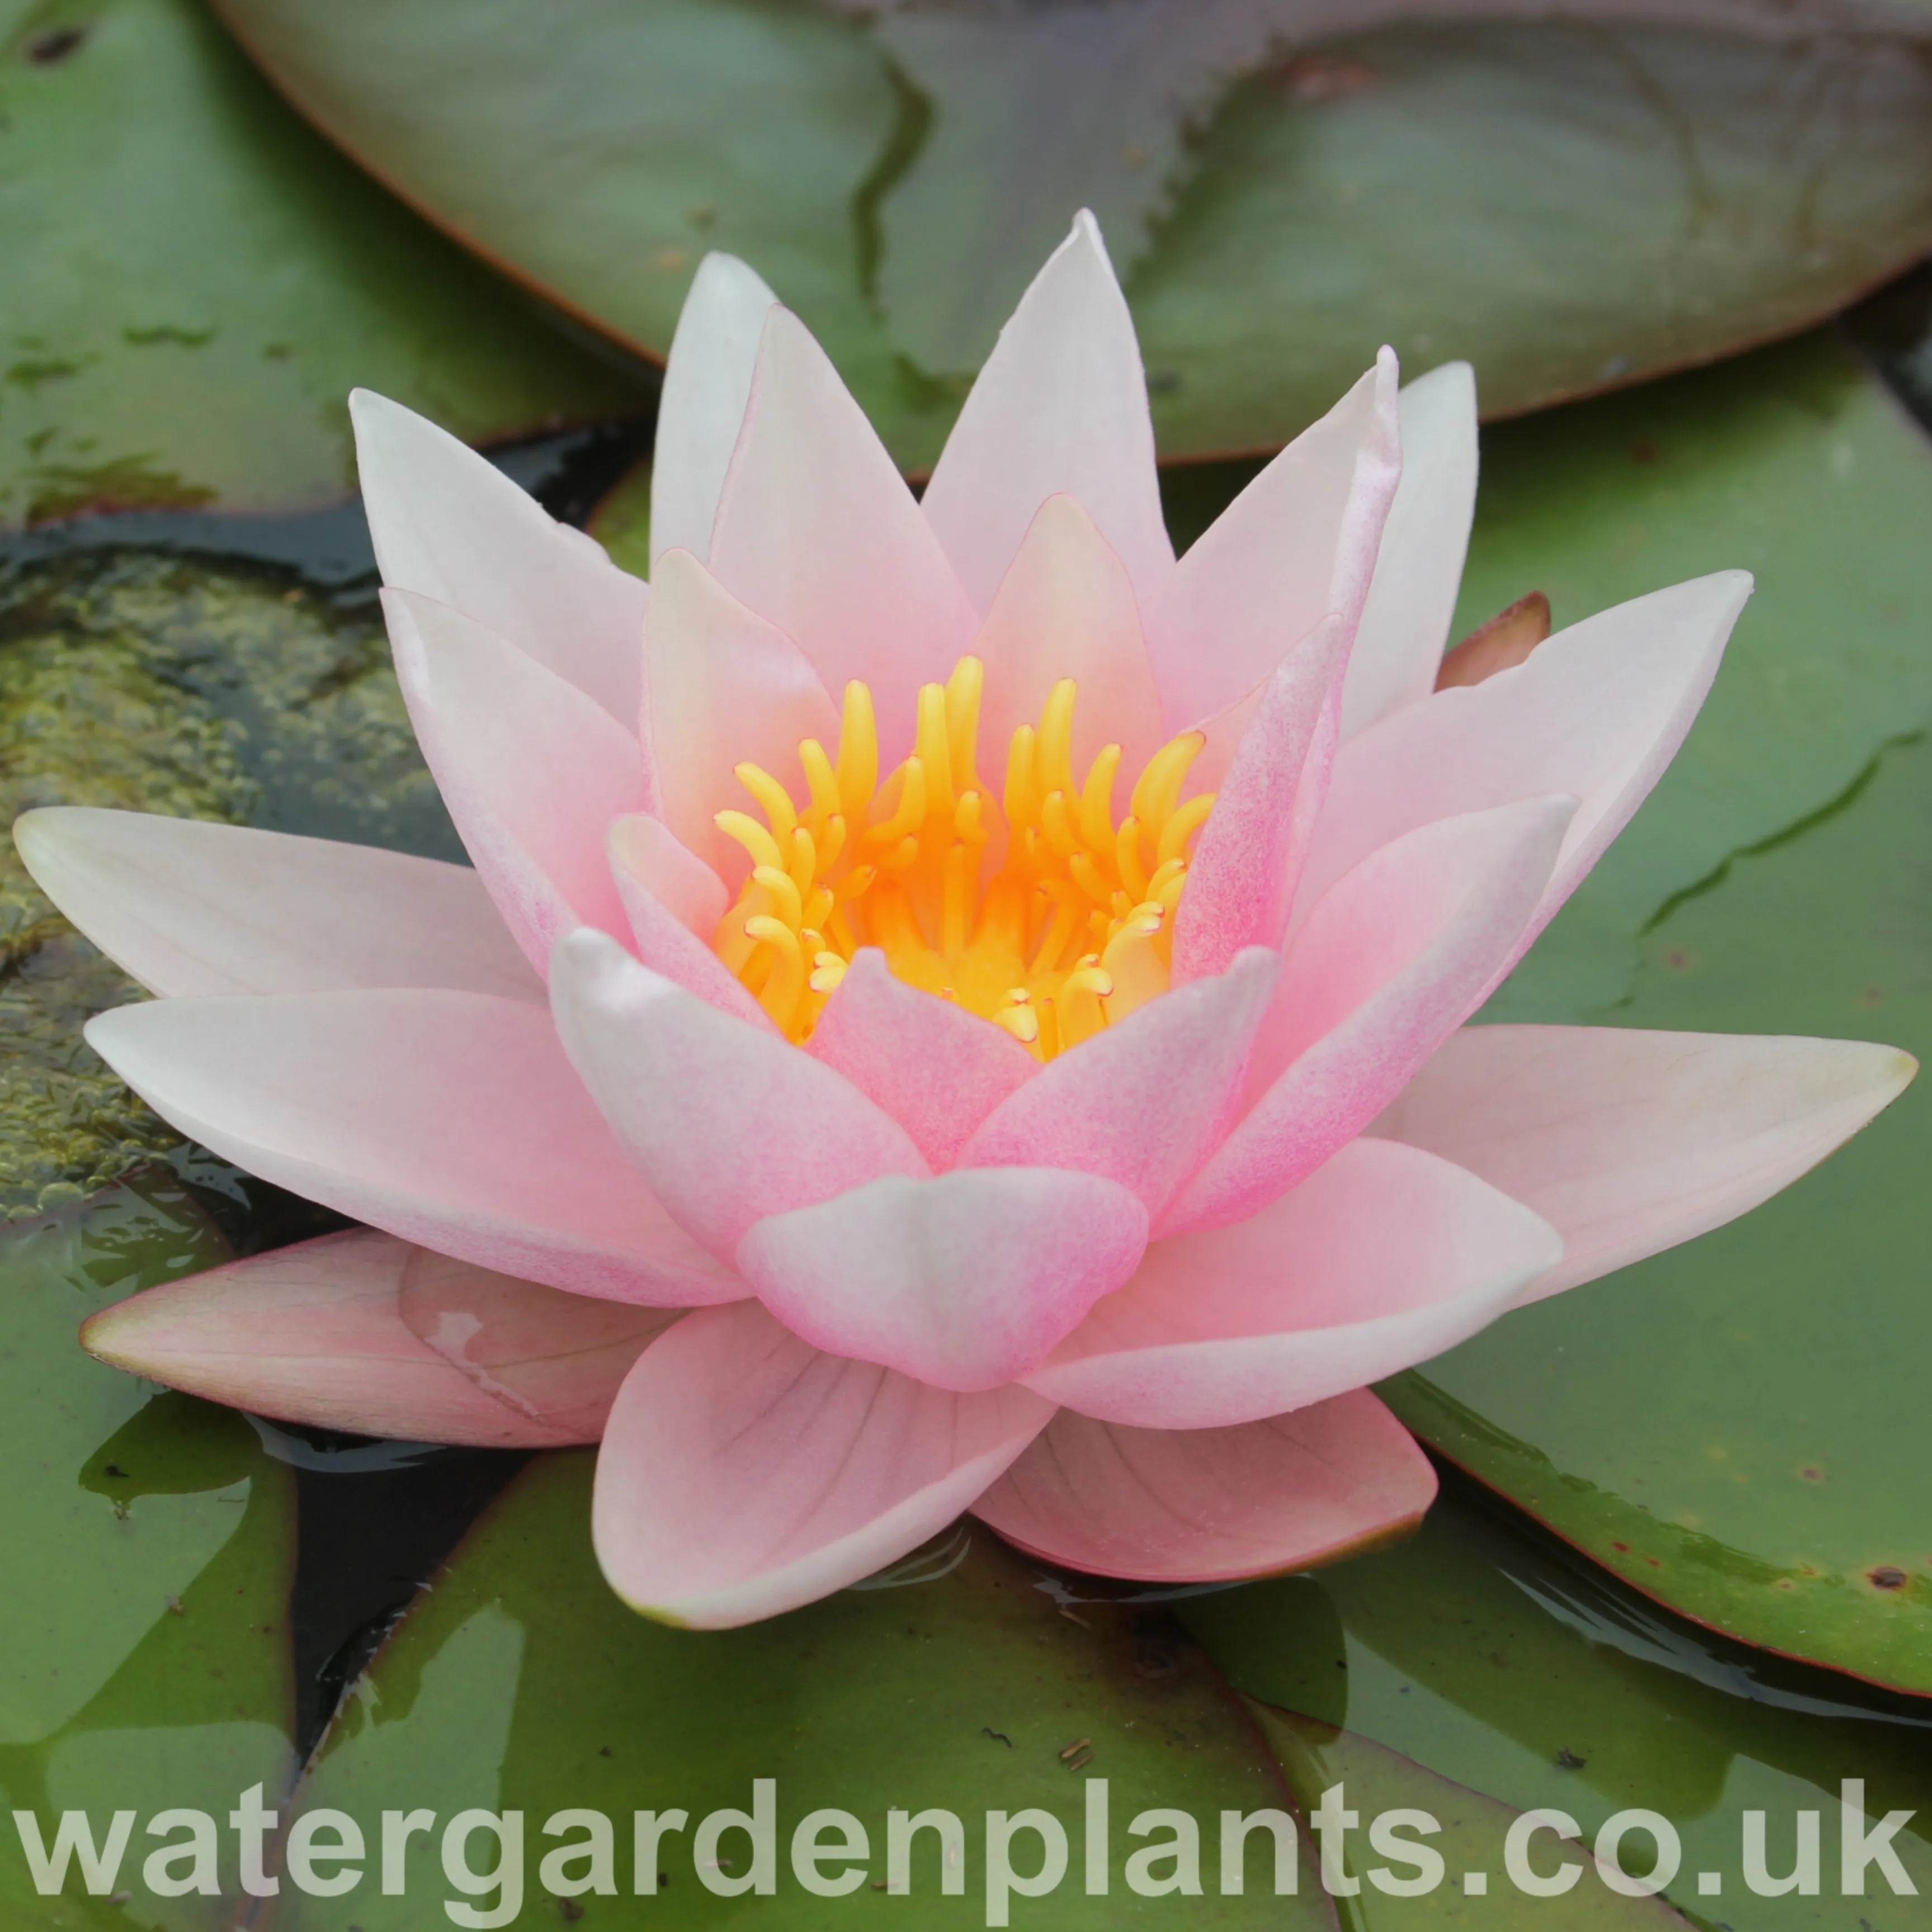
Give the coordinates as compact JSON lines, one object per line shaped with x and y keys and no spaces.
{"x":360,"y":1331}
{"x":726,"y":1122}
{"x":1067,"y":608}
{"x":1629,"y":1142}
{"x":1396,"y":956}
{"x":1297,"y":543}
{"x":1142,"y":1102}
{"x":450,"y":527}
{"x":726,"y":689}
{"x":1248,"y":859}
{"x":937,"y":1069}
{"x":533,"y":771}
{"x":744,"y":1473}
{"x":674,"y":902}
{"x":817,"y":533}
{"x":1597,"y":712}
{"x":707,"y":382}
{"x":190,"y":908}
{"x":1060,"y":406}
{"x":1411,"y":600}
{"x":963,"y":1281}
{"x":1208,"y":1505}
{"x":451,"y":1120}
{"x":1371,"y":1265}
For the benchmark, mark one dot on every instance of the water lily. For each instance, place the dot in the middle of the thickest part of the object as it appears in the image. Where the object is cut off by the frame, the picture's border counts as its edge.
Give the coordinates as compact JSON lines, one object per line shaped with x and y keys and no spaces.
{"x":954,"y":1008}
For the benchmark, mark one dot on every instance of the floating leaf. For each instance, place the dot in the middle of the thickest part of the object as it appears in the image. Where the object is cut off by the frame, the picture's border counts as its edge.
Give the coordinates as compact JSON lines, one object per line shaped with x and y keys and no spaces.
{"x":1570,"y":203}
{"x":196,"y":282}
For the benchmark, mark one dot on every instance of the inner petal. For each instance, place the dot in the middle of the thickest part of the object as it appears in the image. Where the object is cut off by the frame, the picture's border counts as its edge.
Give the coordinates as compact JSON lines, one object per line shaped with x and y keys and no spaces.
{"x":1072,"y":931}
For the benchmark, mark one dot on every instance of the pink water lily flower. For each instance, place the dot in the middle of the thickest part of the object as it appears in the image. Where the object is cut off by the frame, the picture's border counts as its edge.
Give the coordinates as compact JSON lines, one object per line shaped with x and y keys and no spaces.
{"x":955,"y":1008}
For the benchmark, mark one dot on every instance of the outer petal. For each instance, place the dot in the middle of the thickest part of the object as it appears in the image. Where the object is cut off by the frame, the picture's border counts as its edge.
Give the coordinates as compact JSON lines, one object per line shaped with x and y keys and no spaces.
{"x":362,"y":1332}
{"x":1395,"y":957}
{"x":726,"y":689}
{"x":707,"y":382}
{"x":450,"y":1119}
{"x":1143,"y":1102}
{"x":962,"y":1282}
{"x":1369,"y":1266}
{"x":937,"y":1069}
{"x":1206,"y":1505}
{"x":743,"y":1473}
{"x":666,"y":902}
{"x":1412,"y":599}
{"x":533,"y":773}
{"x":1298,"y":543}
{"x":187,"y":907}
{"x":1060,"y":405}
{"x":817,"y":533}
{"x":728,"y":1123}
{"x":1629,"y":1142}
{"x":1248,"y":860}
{"x":1598,"y":712}
{"x":1067,"y":608}
{"x":450,"y":526}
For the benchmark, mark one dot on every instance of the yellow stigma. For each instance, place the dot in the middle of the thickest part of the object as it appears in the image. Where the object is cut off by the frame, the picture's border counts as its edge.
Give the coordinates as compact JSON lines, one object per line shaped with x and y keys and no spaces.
{"x":1074,"y":931}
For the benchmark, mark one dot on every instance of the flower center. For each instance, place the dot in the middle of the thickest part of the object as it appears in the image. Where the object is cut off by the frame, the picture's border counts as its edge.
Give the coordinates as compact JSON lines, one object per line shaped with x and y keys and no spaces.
{"x":1075,"y":929}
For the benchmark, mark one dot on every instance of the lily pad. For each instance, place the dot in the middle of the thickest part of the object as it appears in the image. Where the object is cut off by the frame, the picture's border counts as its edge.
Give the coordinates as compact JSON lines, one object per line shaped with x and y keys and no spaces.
{"x":196,"y":282}
{"x":1482,"y":1657}
{"x":1572,"y":204}
{"x":148,"y":1546}
{"x":520,"y":1682}
{"x":157,"y":684}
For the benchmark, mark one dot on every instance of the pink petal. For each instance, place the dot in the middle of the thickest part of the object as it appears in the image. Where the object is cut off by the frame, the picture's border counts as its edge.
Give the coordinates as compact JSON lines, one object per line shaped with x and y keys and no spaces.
{"x":817,"y":533}
{"x":1208,"y":1505}
{"x":726,"y":688}
{"x":332,"y":1332}
{"x":743,"y":1474}
{"x":187,"y":908}
{"x":533,"y":771}
{"x":1395,"y":957}
{"x":1371,"y":1265}
{"x":1628,"y":1142}
{"x":937,"y":1069}
{"x":1598,"y":712}
{"x":1297,"y":543}
{"x":452,"y":1120}
{"x":1412,"y":600}
{"x":667,"y":903}
{"x":1142,"y":1102}
{"x":450,"y":527}
{"x":728,"y":1123}
{"x":963,"y":1281}
{"x":1241,"y":880}
{"x":1060,"y":406}
{"x":707,"y":382}
{"x":1067,"y":608}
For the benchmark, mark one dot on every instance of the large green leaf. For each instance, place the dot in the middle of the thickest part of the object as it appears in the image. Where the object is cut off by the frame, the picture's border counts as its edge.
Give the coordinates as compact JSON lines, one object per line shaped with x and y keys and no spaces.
{"x":1571,"y":204}
{"x":1482,"y":1658}
{"x":148,"y":1545}
{"x":1727,"y":1425}
{"x":521,"y":1682}
{"x":194,"y":282}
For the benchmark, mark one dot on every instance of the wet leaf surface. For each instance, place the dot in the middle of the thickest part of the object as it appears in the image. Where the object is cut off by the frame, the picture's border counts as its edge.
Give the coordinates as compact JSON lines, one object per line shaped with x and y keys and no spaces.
{"x":195,"y":282}
{"x":520,"y":1681}
{"x":1278,"y":205}
{"x":148,"y":1545}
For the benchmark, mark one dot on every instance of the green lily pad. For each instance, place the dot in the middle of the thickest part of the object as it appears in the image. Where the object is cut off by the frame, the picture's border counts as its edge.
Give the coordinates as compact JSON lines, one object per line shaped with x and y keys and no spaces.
{"x":1278,"y":207}
{"x":1483,"y":1658}
{"x":157,"y":684}
{"x":196,"y":282}
{"x":148,"y":1546}
{"x":520,"y":1682}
